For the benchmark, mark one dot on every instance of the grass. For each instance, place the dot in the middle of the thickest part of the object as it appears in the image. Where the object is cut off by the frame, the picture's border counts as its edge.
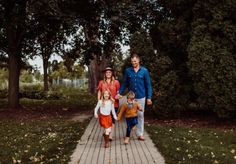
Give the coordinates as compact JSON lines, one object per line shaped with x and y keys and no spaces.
{"x":194,"y":145}
{"x":40,"y":141}
{"x":49,"y":139}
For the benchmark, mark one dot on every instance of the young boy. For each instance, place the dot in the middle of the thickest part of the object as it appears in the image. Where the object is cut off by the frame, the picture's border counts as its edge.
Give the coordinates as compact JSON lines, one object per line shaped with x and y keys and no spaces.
{"x":130,"y":109}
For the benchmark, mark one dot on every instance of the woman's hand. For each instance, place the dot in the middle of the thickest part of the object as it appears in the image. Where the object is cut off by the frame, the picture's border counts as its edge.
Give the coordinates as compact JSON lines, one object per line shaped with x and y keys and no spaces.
{"x":118,"y":96}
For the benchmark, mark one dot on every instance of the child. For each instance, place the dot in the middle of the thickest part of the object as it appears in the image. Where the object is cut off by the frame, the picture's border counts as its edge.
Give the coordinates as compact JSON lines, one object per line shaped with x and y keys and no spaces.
{"x":130,"y":108}
{"x":106,"y":106}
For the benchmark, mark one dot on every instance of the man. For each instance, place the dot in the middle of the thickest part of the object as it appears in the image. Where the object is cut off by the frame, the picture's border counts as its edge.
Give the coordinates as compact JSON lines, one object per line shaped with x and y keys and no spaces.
{"x":137,"y":79}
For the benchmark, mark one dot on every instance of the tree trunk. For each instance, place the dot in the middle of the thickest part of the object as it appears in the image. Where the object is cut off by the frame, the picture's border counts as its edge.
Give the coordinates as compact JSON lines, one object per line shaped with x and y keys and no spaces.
{"x":14,"y":66}
{"x":45,"y":74}
{"x":14,"y":75}
{"x":95,"y":72}
{"x":15,"y":27}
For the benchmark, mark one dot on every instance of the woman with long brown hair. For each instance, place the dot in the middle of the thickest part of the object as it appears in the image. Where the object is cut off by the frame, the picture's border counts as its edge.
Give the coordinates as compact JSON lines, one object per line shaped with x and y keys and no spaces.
{"x":109,"y":83}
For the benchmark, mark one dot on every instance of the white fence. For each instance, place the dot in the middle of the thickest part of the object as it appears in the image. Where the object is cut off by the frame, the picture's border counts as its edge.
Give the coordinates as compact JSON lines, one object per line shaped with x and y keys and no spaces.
{"x":70,"y":83}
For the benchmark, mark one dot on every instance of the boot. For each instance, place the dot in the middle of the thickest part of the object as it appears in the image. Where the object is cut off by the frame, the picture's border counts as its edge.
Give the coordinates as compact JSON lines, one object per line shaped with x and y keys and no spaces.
{"x":106,"y":139}
{"x":110,"y":137}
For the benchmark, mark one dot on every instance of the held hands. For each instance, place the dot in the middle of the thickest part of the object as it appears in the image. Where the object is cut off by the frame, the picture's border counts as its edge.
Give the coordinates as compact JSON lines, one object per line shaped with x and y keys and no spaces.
{"x":118,"y":96}
{"x":96,"y":116}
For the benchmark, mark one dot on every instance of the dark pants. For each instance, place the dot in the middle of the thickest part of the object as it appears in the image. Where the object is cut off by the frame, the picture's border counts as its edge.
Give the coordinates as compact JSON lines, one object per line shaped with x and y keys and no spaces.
{"x":131,"y":122}
{"x":113,"y":120}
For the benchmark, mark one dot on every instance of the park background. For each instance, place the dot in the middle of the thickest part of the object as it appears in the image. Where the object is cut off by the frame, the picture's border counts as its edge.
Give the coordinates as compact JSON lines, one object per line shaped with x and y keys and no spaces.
{"x":187,"y":45}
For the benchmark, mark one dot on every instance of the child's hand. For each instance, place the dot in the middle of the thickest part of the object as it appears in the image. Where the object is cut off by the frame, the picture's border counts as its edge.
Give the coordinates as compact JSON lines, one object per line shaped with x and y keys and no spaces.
{"x":96,"y":116}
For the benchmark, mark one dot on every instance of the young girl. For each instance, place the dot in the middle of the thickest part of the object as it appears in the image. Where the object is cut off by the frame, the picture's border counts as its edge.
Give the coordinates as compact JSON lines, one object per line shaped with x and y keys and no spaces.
{"x":106,"y":106}
{"x":130,"y":109}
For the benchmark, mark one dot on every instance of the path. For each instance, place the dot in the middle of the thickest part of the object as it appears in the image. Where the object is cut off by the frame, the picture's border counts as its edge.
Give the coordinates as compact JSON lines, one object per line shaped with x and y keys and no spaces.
{"x":90,"y":149}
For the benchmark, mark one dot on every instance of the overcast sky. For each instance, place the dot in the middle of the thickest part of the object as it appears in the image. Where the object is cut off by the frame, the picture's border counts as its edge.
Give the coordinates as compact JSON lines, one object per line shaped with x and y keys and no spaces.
{"x":38,"y":62}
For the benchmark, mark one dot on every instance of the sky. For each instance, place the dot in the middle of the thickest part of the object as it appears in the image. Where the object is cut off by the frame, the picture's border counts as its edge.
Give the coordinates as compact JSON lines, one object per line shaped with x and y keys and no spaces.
{"x":38,"y":62}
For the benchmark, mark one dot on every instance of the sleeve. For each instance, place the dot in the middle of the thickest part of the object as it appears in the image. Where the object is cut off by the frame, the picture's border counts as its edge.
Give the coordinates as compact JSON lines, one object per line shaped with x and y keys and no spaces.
{"x":113,"y":111}
{"x":117,"y":85}
{"x":96,"y":108}
{"x":99,"y":89}
{"x":124,"y":83}
{"x":122,"y":109}
{"x":99,"y":85}
{"x":148,"y":85}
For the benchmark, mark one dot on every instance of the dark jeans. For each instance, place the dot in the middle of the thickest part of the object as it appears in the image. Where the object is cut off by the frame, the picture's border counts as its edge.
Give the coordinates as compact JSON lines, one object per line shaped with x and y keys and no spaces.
{"x":131,"y":122}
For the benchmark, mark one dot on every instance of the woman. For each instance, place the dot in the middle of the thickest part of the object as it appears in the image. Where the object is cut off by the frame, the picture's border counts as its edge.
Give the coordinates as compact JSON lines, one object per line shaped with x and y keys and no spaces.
{"x":109,"y":83}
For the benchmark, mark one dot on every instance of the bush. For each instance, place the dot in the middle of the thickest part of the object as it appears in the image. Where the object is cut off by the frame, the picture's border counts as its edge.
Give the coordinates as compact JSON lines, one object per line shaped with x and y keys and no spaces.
{"x":212,"y":58}
{"x":3,"y":93}
{"x":35,"y":91}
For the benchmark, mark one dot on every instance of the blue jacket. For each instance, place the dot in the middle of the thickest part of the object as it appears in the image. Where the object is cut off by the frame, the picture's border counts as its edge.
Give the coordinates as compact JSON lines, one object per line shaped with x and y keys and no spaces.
{"x":139,"y":82}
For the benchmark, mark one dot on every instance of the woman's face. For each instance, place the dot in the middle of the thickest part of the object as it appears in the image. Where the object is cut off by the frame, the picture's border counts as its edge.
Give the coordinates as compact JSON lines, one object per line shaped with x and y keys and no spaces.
{"x":108,"y":74}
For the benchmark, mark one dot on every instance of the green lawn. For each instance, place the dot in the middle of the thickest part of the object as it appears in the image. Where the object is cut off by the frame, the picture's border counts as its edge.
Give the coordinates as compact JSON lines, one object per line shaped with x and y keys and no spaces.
{"x":41,"y":132}
{"x":194,"y":145}
{"x":40,"y":141}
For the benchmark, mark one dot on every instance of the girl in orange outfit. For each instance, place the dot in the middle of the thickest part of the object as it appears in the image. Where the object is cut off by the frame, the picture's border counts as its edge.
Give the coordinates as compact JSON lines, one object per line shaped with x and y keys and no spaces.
{"x":106,"y":106}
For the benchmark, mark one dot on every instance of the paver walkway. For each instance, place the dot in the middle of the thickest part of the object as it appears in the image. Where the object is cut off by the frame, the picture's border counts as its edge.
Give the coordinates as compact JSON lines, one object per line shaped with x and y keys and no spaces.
{"x":90,"y":149}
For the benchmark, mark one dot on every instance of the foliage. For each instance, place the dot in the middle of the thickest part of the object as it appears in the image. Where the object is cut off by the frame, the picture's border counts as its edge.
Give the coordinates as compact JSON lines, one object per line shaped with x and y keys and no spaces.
{"x":212,"y":61}
{"x":38,"y":76}
{"x":194,"y":145}
{"x":3,"y":78}
{"x":26,"y":76}
{"x":46,"y":141}
{"x":195,"y":43}
{"x":60,"y":70}
{"x":173,"y":87}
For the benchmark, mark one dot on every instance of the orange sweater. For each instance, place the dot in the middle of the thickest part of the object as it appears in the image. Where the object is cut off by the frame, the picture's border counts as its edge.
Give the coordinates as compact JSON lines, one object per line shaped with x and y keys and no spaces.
{"x":129,"y":112}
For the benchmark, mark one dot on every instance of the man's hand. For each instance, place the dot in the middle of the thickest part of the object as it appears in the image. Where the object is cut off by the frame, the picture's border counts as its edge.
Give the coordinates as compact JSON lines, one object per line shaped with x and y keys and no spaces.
{"x":149,"y":102}
{"x":96,"y":116}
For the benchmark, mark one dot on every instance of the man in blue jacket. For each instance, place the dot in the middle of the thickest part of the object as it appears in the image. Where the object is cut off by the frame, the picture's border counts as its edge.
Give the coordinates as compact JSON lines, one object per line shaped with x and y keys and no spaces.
{"x":137,"y":79}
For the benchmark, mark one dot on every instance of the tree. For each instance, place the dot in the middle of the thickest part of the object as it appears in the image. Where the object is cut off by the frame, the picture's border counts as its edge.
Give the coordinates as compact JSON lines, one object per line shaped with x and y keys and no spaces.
{"x":212,"y":61}
{"x":173,"y":90}
{"x":13,"y":17}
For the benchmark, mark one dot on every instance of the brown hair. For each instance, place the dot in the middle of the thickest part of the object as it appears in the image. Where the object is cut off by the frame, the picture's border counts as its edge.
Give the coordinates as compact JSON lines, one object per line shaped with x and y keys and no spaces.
{"x":135,"y":55}
{"x":130,"y":95}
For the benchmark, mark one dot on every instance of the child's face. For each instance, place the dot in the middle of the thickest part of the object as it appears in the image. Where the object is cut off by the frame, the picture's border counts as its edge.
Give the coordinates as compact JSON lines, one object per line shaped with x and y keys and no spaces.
{"x":130,"y":99}
{"x":106,"y":95}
